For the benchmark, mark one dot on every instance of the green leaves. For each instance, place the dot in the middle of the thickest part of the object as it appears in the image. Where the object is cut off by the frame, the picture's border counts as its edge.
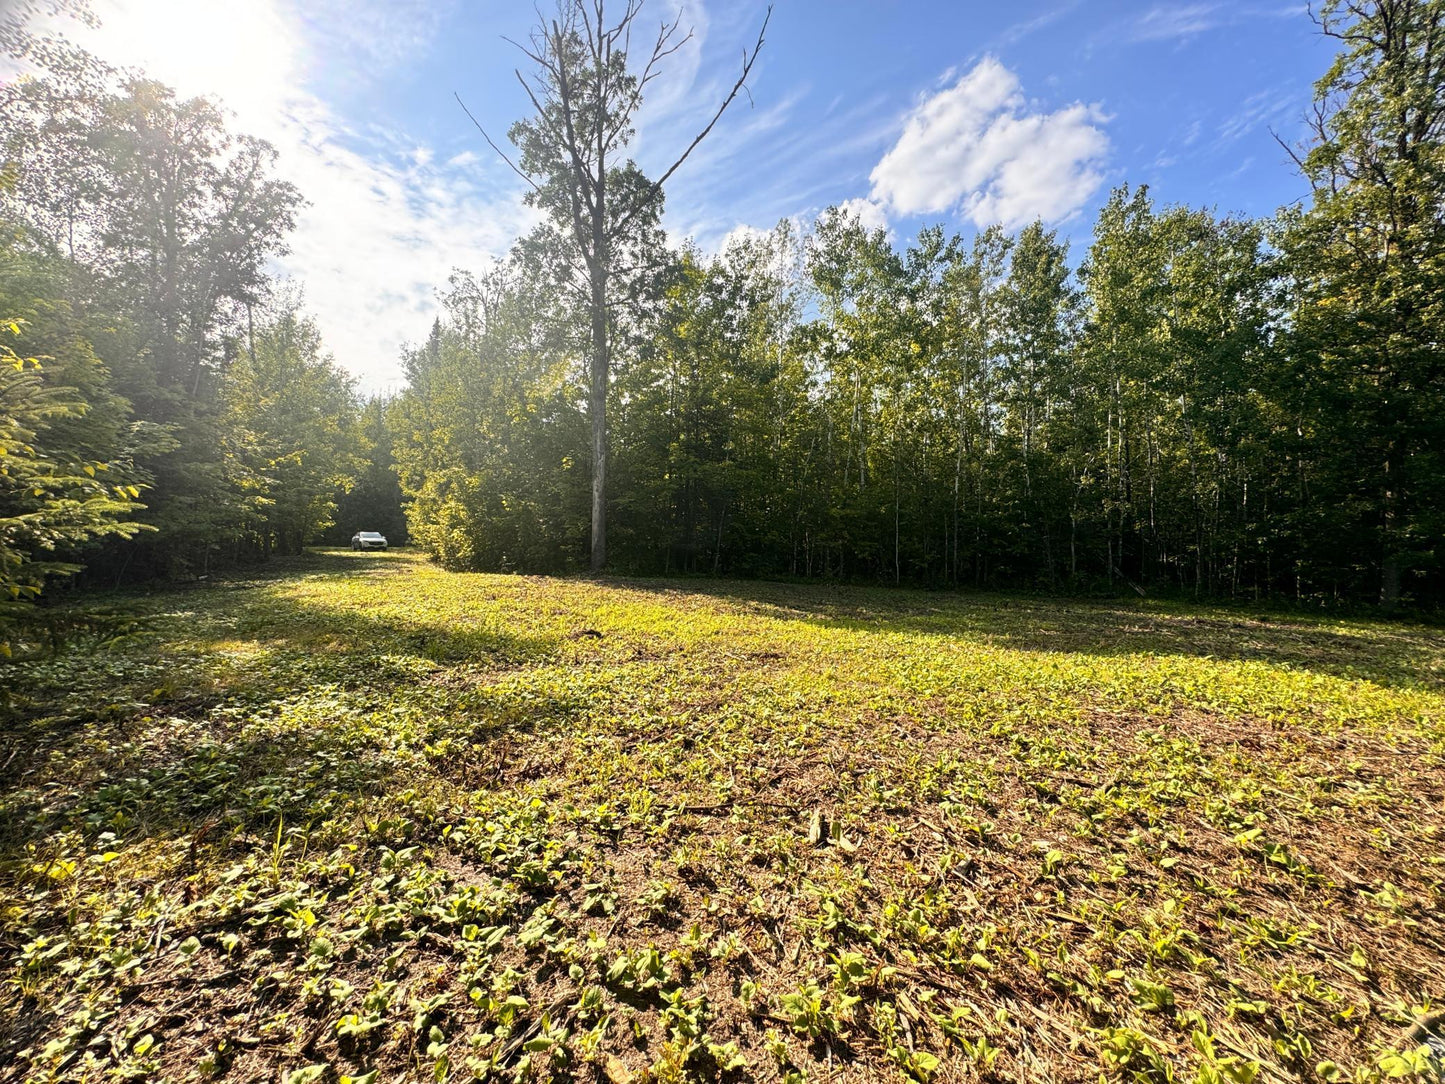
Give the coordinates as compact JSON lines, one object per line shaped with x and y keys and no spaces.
{"x":1367,"y":269}
{"x":353,"y":1025}
{"x":478,"y":861}
{"x":1151,"y":996}
{"x":49,"y":500}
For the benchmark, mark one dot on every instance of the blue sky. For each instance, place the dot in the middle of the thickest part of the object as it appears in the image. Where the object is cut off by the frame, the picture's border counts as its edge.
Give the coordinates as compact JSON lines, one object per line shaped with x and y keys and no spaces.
{"x":909,"y":112}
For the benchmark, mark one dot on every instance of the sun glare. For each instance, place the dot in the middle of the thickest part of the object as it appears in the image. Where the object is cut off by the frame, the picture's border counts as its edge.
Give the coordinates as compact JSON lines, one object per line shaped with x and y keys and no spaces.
{"x":244,"y":52}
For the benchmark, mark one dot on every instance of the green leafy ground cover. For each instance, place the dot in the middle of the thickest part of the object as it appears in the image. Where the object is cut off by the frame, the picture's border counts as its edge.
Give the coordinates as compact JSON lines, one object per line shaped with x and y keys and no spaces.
{"x":361,"y":819}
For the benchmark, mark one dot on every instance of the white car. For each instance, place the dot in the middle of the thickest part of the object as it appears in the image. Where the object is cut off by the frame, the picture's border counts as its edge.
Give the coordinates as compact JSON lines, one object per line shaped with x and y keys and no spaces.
{"x":368,"y":540}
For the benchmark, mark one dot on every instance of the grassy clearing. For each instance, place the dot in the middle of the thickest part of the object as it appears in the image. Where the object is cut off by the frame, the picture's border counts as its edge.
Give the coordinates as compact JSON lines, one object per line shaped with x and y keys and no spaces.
{"x":363,"y":819}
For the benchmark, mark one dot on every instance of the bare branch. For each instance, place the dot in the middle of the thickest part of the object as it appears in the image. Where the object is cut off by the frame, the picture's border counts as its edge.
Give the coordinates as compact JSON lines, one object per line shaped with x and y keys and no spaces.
{"x":663,"y":48}
{"x":500,"y":153}
{"x":653,"y":189}
{"x":564,"y":138}
{"x":1298,"y":161}
{"x":591,"y":186}
{"x":537,"y":54}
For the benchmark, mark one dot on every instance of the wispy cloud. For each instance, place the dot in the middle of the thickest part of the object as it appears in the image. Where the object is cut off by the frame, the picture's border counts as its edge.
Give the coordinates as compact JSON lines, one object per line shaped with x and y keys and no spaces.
{"x":1012,"y":35}
{"x":671,"y":97}
{"x":1266,"y":108}
{"x":1180,"y":22}
{"x":740,"y":162}
{"x":381,"y":233}
{"x":373,"y":37}
{"x":1169,"y":22}
{"x":977,"y":148}
{"x":721,"y":173}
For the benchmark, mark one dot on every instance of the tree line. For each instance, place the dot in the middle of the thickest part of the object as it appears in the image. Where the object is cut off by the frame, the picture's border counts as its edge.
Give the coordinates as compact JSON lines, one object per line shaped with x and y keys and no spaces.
{"x":1204,"y":404}
{"x":165,"y":408}
{"x":1195,"y":403}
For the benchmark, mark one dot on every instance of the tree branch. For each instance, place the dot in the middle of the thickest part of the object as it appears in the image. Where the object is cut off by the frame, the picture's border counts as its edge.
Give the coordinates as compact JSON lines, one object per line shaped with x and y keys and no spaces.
{"x":656,"y":186}
{"x":500,"y":153}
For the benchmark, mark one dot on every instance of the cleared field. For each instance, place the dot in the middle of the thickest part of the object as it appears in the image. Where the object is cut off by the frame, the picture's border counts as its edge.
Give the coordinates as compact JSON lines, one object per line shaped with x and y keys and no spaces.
{"x":363,"y":819}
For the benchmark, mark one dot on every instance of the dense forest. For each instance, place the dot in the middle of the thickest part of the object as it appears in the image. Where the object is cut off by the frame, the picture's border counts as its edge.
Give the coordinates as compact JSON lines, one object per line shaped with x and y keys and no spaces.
{"x":1195,"y":403}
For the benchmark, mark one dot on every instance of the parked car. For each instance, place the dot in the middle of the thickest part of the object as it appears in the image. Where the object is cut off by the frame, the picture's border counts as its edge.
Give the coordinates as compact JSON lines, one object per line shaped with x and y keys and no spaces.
{"x":368,"y":540}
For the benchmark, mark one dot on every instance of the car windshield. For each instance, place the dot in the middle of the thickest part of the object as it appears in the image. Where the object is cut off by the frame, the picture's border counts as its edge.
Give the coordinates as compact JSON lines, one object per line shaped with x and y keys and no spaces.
{"x":370,"y":534}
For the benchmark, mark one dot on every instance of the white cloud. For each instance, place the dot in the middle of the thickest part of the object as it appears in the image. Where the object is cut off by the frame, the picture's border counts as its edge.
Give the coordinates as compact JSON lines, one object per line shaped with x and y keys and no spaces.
{"x":387,"y":218}
{"x":742,"y":234}
{"x":976,"y":148}
{"x":379,"y":238}
{"x":783,"y":248}
{"x":241,"y":53}
{"x":869,"y":213}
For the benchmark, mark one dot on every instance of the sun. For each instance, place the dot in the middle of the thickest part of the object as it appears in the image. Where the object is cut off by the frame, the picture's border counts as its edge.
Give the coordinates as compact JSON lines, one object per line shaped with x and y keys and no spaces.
{"x":248,"y":54}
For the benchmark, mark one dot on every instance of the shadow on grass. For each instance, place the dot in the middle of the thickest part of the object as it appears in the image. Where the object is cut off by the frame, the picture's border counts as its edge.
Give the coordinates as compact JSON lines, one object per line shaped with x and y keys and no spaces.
{"x":1389,"y":654}
{"x":291,"y":711}
{"x":279,"y":706}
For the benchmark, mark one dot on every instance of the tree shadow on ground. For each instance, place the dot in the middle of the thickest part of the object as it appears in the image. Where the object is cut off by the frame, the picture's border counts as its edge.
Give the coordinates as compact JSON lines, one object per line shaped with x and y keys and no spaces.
{"x":312,"y":706}
{"x":1390,"y":654}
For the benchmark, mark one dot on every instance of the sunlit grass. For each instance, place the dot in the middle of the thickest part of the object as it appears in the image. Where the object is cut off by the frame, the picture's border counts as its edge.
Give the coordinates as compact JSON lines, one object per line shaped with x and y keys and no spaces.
{"x":365,"y":815}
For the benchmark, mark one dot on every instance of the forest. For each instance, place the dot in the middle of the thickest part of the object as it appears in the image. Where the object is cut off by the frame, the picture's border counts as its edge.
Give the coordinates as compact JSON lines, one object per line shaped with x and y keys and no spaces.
{"x":985,"y":655}
{"x":1194,"y":404}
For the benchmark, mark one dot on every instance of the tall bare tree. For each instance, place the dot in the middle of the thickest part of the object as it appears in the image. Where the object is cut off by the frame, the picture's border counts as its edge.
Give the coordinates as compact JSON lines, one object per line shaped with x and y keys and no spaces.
{"x":573,"y":157}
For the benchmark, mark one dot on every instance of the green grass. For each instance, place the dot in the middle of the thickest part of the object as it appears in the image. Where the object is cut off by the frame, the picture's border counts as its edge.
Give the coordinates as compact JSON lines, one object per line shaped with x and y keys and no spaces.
{"x":359,"y":818}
